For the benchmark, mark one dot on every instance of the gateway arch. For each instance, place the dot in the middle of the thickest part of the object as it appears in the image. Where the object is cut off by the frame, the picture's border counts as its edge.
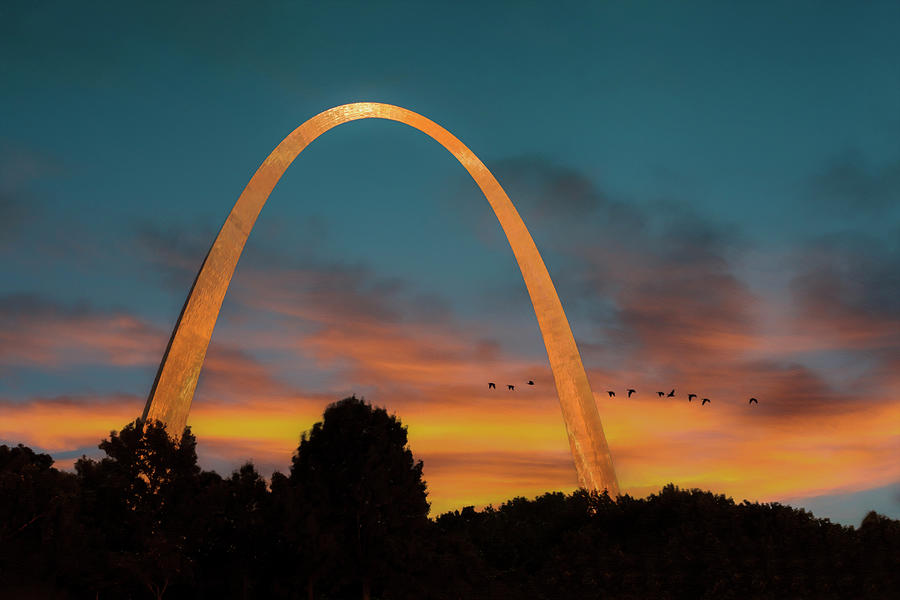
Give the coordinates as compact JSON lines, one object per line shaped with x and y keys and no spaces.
{"x":173,"y":389}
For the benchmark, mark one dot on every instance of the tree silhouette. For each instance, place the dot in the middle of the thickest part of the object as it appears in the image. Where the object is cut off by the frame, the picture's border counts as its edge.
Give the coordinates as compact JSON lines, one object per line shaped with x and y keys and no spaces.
{"x":362,"y":496}
{"x":142,"y":499}
{"x":232,"y":540}
{"x":28,"y":491}
{"x":37,"y":506}
{"x":880,"y":550}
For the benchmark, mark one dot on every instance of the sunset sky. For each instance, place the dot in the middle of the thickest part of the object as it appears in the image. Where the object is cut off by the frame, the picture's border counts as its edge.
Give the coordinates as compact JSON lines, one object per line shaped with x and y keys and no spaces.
{"x":715,"y":191}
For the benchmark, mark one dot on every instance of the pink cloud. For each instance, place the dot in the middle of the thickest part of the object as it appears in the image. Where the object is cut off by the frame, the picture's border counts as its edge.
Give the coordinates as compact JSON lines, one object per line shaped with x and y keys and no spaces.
{"x":38,"y":333}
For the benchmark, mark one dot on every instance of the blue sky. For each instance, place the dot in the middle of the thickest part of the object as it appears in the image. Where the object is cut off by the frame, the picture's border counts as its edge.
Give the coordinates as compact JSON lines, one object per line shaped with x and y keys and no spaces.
{"x":748,"y":149}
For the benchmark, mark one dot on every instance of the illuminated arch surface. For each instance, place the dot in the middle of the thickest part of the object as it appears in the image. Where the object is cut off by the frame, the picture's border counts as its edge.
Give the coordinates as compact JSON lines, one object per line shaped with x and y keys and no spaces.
{"x":172,"y":392}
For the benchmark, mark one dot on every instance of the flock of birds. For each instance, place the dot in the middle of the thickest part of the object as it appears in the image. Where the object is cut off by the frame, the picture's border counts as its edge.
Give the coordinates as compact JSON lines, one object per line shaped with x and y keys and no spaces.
{"x":612,"y":394}
{"x":511,"y":388}
{"x":671,"y":394}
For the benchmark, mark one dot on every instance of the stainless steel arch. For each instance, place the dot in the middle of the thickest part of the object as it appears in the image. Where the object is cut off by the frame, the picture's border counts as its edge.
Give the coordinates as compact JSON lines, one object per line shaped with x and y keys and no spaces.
{"x":173,"y":390}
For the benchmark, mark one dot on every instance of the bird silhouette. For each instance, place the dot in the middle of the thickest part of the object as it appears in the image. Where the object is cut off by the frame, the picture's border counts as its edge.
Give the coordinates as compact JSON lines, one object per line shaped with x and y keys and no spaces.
{"x":611,"y":394}
{"x":630,"y":392}
{"x":660,"y":394}
{"x":691,"y":397}
{"x":705,"y":400}
{"x":671,"y":394}
{"x":530,"y":382}
{"x":511,"y":388}
{"x":753,"y":401}
{"x":492,"y":385}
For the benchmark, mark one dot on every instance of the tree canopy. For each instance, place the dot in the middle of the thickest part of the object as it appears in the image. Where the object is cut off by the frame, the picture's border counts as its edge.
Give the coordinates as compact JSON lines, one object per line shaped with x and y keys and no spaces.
{"x":362,"y":497}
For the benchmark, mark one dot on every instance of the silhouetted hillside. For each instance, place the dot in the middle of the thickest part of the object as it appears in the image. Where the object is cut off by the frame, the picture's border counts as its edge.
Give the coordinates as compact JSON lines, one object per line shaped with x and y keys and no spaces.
{"x":350,"y":521}
{"x":674,"y":544}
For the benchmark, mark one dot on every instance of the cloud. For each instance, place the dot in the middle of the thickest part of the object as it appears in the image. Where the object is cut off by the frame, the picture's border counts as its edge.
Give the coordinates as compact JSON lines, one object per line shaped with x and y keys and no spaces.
{"x":669,"y":308}
{"x":850,"y":185}
{"x":61,"y":423}
{"x":13,"y":215}
{"x":567,"y":203}
{"x":176,"y":253}
{"x":39,"y":332}
{"x":19,"y":206}
{"x":232,"y":374}
{"x":460,"y":478}
{"x":330,"y":288}
{"x":340,"y":315}
{"x":551,"y":190}
{"x":849,"y":275}
{"x":845,"y":291}
{"x":661,"y":275}
{"x":675,"y":293}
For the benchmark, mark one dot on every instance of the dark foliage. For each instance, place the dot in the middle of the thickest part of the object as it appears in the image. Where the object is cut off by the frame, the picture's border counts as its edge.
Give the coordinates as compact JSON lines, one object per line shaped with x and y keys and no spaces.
{"x":357,"y":507}
{"x":674,"y":544}
{"x":38,"y":530}
{"x":350,"y":521}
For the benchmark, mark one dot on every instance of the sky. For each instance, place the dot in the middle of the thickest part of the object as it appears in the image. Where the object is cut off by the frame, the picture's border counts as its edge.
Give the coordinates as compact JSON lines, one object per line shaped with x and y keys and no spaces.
{"x":714,"y":190}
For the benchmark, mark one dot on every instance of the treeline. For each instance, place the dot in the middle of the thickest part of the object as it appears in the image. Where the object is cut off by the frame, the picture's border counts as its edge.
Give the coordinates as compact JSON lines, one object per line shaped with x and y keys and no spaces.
{"x":350,"y":520}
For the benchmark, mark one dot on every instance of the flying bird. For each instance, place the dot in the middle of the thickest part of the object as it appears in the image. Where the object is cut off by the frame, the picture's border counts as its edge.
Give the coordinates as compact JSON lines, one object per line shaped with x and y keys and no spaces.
{"x":671,"y":394}
{"x":611,"y":394}
{"x":630,"y":392}
{"x":705,"y":400}
{"x":492,"y":385}
{"x":691,"y":397}
{"x":753,"y":400}
{"x":530,"y":382}
{"x":660,"y":394}
{"x":511,"y":388}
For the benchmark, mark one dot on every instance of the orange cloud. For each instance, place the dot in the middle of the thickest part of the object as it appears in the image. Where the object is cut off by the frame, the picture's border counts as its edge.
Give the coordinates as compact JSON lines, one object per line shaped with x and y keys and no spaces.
{"x":35,"y":332}
{"x":65,"y":422}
